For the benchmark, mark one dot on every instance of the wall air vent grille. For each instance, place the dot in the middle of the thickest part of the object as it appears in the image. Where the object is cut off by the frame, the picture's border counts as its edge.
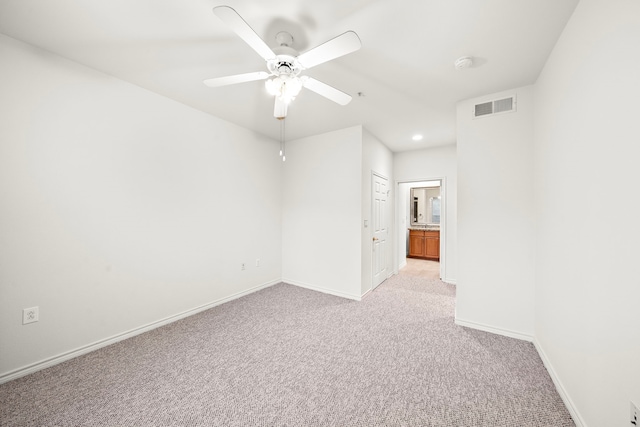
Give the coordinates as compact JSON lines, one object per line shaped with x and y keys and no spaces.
{"x":504,"y":105}
{"x":484,"y":109}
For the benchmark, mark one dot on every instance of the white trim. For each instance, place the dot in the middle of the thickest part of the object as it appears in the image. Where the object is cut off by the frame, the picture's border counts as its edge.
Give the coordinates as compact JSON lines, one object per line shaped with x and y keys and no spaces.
{"x":442,"y":259}
{"x":564,"y":395}
{"x":46,"y":363}
{"x":494,"y":330}
{"x":571,"y":407}
{"x":321,"y":289}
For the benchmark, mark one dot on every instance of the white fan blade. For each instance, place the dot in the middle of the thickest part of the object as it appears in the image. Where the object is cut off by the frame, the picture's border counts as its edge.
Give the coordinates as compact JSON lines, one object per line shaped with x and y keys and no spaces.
{"x":343,"y":44}
{"x":325,"y":90}
{"x":238,"y":78}
{"x":280,"y":109}
{"x":230,"y":17}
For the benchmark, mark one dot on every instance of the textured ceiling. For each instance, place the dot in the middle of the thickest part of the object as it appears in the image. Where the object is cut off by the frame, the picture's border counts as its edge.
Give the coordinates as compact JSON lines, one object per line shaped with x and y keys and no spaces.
{"x":404,"y":69}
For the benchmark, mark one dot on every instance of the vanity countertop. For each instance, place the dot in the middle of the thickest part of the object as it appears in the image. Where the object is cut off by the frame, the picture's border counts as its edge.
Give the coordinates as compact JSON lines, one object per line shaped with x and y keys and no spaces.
{"x":426,"y":228}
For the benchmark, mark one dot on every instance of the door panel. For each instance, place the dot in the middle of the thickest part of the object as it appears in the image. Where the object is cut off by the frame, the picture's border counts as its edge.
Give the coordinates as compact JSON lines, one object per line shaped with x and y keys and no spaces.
{"x":379,"y":195}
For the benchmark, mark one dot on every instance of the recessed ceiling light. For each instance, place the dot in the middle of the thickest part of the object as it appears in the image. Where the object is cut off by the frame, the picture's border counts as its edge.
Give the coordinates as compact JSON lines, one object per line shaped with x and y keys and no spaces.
{"x":417,"y":137}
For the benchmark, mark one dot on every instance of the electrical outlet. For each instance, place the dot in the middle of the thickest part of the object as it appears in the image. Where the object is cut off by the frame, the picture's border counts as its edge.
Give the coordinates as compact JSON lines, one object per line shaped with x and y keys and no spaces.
{"x":258,"y":262}
{"x":242,"y":266}
{"x":634,"y":418}
{"x":30,"y":315}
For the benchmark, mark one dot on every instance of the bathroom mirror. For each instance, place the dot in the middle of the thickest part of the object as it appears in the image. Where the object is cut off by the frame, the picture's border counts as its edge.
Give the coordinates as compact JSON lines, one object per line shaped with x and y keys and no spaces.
{"x":425,"y":206}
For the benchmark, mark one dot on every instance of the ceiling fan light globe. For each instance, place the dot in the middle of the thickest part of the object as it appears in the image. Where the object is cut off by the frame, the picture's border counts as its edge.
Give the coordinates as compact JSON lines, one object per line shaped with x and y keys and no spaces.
{"x":284,"y":87}
{"x":292,"y":87}
{"x":273,"y":86}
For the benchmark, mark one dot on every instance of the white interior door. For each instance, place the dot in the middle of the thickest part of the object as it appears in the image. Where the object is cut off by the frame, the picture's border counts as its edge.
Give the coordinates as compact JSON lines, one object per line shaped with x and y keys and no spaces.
{"x":380,"y":190}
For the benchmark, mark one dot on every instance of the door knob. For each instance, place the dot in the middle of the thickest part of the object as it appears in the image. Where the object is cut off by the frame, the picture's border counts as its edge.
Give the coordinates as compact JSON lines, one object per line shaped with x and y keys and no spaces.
{"x":375,"y":238}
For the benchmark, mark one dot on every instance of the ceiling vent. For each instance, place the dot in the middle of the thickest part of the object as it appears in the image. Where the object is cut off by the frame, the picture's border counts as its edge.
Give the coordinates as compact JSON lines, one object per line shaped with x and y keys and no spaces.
{"x":497,"y":106}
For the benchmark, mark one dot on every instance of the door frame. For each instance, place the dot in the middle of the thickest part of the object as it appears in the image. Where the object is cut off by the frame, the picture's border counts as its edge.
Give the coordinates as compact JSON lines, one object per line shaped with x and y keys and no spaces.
{"x":400,"y":234}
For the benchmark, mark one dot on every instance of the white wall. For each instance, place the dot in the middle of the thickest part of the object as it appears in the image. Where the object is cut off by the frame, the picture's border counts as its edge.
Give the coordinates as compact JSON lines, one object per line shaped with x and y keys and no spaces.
{"x":119,"y":207}
{"x":587,"y":271}
{"x":496,"y":217}
{"x":376,"y":157}
{"x":322,"y":213}
{"x":423,"y":165}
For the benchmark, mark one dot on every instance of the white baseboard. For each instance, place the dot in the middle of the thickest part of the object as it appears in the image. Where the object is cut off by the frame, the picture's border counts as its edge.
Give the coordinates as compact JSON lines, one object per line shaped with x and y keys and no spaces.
{"x":26,"y":370}
{"x":323,"y":290}
{"x":494,"y":330}
{"x":571,"y":407}
{"x":577,"y":419}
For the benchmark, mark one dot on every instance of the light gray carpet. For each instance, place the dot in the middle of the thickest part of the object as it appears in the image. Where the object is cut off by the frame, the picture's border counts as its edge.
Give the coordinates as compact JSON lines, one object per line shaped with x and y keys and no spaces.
{"x":287,"y":356}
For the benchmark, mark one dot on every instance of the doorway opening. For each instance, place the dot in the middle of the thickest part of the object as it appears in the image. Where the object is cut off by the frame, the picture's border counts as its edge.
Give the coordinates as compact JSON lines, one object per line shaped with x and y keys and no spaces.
{"x":421,"y":228}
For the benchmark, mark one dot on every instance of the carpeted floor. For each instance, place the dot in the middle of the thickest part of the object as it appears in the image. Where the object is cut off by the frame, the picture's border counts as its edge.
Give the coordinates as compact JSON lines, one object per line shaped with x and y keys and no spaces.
{"x":287,"y":356}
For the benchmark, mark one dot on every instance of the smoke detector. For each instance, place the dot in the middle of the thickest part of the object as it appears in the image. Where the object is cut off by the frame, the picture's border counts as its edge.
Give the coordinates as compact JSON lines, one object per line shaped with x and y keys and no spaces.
{"x":463,"y":62}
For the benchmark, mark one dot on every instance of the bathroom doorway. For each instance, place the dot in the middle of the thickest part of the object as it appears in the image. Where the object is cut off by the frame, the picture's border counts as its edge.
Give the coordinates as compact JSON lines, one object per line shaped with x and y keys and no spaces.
{"x":421,"y":227}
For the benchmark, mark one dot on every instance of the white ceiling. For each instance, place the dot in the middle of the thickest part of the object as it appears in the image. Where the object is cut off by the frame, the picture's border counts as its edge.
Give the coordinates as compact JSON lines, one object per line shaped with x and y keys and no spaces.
{"x":404,"y":69}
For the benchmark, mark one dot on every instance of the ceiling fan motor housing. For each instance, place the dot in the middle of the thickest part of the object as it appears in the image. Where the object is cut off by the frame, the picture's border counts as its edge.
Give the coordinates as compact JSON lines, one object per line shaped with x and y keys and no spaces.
{"x":284,"y":65}
{"x":285,"y":62}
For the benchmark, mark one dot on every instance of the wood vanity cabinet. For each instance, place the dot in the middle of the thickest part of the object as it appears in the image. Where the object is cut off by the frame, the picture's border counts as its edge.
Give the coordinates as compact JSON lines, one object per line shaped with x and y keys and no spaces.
{"x":424,"y":244}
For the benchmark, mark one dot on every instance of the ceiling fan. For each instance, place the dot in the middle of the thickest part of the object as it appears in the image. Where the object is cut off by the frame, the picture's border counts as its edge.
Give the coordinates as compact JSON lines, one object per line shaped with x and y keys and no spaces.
{"x":284,"y":64}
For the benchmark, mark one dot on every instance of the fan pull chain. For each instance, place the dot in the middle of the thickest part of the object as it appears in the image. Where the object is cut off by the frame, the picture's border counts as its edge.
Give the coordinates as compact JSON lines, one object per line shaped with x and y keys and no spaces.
{"x":282,"y":139}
